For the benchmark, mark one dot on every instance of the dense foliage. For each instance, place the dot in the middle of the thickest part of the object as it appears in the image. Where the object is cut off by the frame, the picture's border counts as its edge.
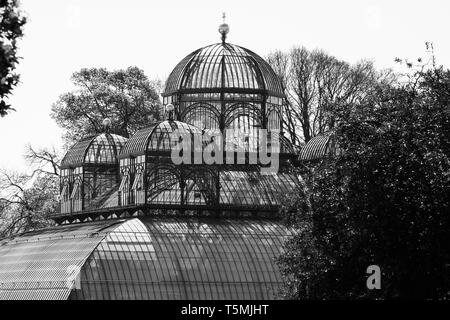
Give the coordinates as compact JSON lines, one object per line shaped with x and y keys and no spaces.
{"x":11,"y":29}
{"x":127,"y":97}
{"x":384,"y":200}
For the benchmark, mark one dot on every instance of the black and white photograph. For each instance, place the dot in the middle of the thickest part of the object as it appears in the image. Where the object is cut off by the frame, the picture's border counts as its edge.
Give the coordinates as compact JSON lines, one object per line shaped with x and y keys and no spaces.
{"x":227,"y":157}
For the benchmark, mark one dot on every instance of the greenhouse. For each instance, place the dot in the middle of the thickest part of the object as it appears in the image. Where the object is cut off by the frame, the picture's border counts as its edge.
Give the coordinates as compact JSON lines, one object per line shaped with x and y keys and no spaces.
{"x":135,"y":225}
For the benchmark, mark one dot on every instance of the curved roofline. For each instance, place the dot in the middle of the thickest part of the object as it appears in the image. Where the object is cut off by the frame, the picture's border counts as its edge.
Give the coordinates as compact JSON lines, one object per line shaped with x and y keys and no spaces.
{"x":182,"y":74}
{"x":28,"y":269}
{"x":317,"y":147}
{"x":91,"y":139}
{"x":123,"y":154}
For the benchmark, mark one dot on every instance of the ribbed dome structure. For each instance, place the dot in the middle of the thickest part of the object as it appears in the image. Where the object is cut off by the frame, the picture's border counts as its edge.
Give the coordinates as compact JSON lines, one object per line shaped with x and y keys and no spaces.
{"x":90,"y":172}
{"x":135,"y":222}
{"x":223,"y":66}
{"x":319,"y":147}
{"x":157,"y":138}
{"x":101,"y":149}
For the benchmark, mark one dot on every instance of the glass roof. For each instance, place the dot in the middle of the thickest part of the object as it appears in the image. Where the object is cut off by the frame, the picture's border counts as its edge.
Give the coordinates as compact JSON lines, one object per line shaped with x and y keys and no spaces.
{"x":101,"y":149}
{"x":38,"y":265}
{"x":251,"y":188}
{"x":146,"y":258}
{"x":157,"y":137}
{"x":223,"y":66}
{"x":316,"y":148}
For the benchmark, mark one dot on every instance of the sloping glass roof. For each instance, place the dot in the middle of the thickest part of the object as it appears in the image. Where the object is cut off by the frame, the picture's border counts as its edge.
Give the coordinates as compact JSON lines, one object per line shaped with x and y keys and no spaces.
{"x":146,"y":258}
{"x":239,"y":188}
{"x":251,"y":188}
{"x":157,"y":137}
{"x":317,"y":148}
{"x":100,"y":149}
{"x":226,"y":67}
{"x":40,"y":264}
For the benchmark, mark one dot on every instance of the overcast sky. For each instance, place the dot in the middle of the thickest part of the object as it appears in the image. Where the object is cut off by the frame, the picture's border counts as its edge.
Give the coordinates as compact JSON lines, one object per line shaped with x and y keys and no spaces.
{"x":63,"y":36}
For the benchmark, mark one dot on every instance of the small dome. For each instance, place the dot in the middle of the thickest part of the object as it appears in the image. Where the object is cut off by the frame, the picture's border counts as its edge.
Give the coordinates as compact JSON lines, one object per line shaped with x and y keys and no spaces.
{"x":156,"y":138}
{"x":223,"y":67}
{"x":318,"y":147}
{"x":100,"y":149}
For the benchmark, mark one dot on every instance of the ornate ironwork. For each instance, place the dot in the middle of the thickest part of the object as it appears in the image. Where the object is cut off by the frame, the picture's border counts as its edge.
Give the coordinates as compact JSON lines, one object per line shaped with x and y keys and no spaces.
{"x":89,"y":173}
{"x":214,"y":89}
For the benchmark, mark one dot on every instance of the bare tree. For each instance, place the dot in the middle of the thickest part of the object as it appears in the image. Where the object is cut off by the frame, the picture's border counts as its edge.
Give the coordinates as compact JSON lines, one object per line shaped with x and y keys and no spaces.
{"x":280,"y":63}
{"x":44,"y":160}
{"x":316,"y":84}
{"x":127,"y":97}
{"x":25,"y":202}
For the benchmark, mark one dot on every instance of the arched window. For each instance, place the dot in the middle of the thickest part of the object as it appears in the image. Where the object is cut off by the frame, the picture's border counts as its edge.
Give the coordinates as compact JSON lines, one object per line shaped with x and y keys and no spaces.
{"x":203,"y":116}
{"x":273,"y":120}
{"x":242,"y":122}
{"x":201,"y":186}
{"x":163,"y":185}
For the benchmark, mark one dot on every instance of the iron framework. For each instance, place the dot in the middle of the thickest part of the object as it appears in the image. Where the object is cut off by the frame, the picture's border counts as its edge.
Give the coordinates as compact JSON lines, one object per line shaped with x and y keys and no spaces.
{"x":319,"y":147}
{"x":222,"y":93}
{"x":146,"y":258}
{"x":226,"y":86}
{"x":89,"y":174}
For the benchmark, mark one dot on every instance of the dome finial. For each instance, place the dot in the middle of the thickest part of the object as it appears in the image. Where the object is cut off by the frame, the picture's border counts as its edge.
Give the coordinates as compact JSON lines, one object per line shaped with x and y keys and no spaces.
{"x":170,"y":110}
{"x":224,"y":28}
{"x":106,"y":124}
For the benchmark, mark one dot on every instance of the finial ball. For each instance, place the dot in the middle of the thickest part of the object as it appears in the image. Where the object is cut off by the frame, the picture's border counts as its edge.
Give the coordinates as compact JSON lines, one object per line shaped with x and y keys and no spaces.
{"x":106,"y":123}
{"x":224,"y":28}
{"x":170,"y":107}
{"x":170,"y":111}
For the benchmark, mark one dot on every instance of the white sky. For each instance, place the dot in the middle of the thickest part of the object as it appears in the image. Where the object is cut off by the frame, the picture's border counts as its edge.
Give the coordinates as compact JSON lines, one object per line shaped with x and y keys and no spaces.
{"x":64,"y":36}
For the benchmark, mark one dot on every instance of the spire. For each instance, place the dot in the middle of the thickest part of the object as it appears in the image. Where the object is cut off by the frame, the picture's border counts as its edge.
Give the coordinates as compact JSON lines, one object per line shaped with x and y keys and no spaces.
{"x":224,"y":28}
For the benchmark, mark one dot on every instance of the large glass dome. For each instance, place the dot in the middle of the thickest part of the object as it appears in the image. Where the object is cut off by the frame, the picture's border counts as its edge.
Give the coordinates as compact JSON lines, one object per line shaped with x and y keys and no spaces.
{"x":224,"y":86}
{"x":223,"y":67}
